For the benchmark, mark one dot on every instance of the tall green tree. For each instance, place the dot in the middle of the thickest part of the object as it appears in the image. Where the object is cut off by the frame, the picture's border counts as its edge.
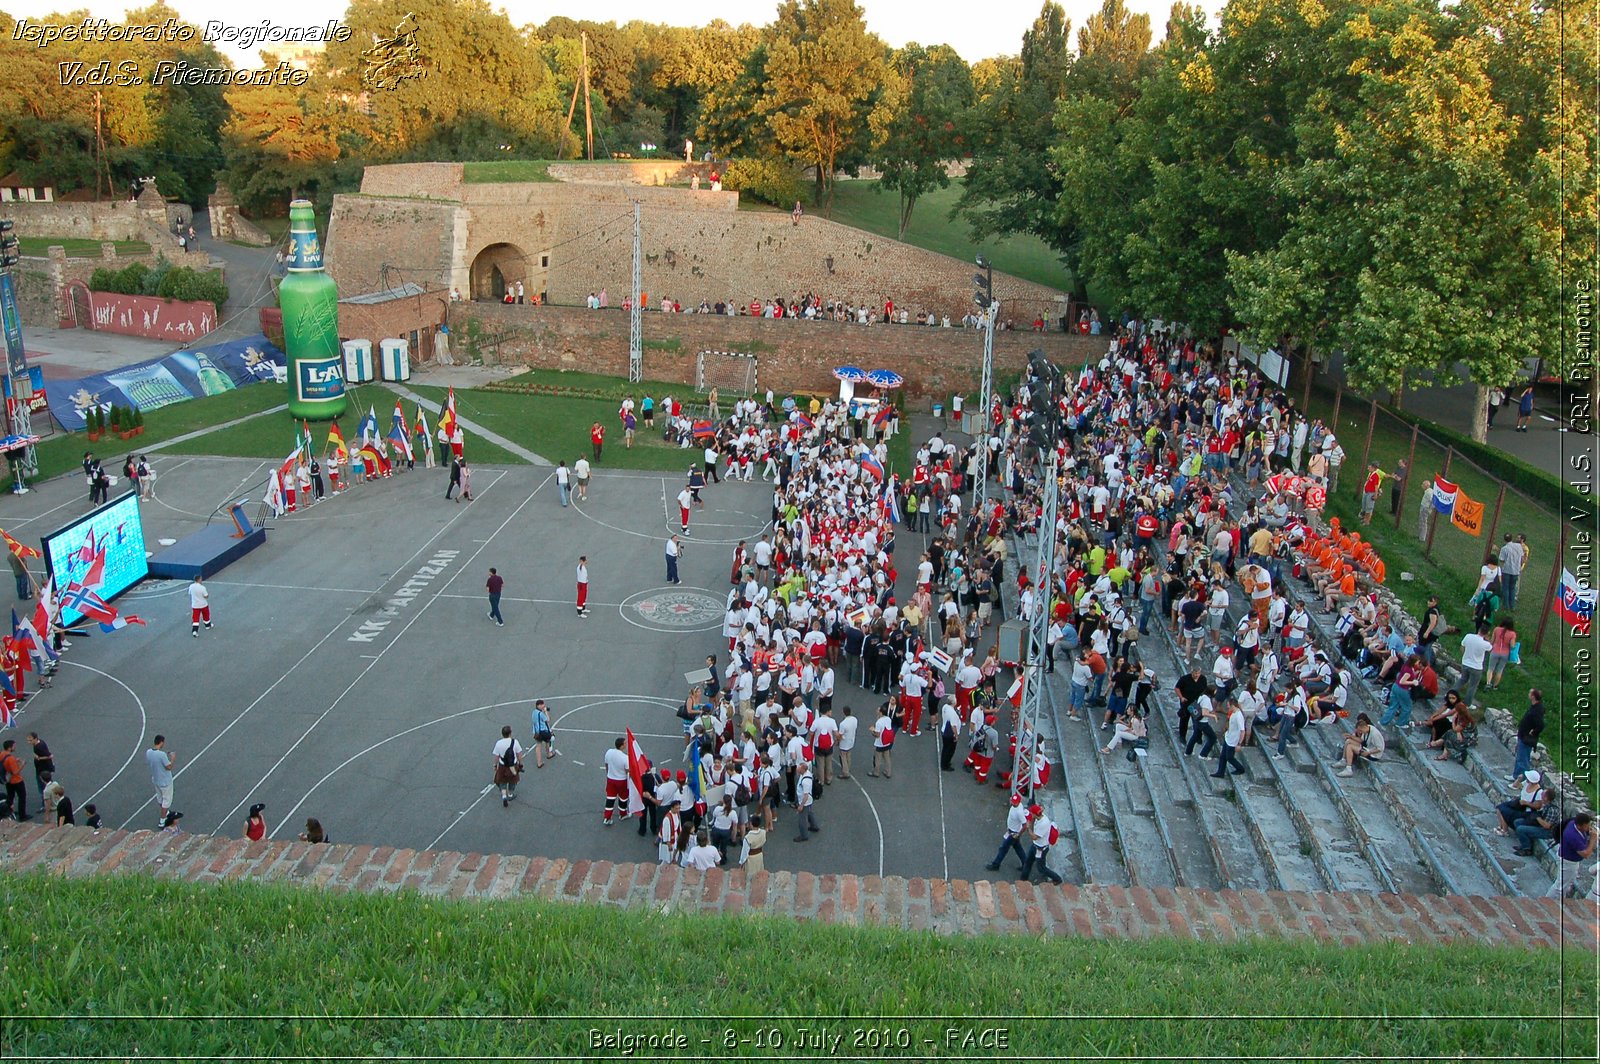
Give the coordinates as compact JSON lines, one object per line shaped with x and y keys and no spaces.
{"x":1011,"y":184}
{"x":824,"y":78}
{"x":933,"y":88}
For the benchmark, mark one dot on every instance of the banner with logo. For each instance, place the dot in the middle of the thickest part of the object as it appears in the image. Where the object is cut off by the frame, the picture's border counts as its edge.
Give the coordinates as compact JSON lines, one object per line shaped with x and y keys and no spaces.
{"x":1467,"y":515}
{"x":16,"y":354}
{"x":186,"y":374}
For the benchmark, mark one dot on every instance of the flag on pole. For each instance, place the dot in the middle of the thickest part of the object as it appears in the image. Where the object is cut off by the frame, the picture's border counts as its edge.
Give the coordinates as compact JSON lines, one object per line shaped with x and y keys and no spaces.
{"x":1574,"y":603}
{"x":637,"y":767}
{"x":30,"y":640}
{"x":1467,"y":515}
{"x":883,"y":416}
{"x":447,"y":418}
{"x":369,"y":426}
{"x":702,"y":429}
{"x":1014,"y":693}
{"x":1444,"y":495}
{"x":804,"y":422}
{"x":336,"y":441}
{"x":422,"y":433}
{"x":273,"y":499}
{"x":873,"y":467}
{"x":938,"y":659}
{"x":307,"y":443}
{"x":44,"y":614}
{"x":21,"y":550}
{"x":891,"y":503}
{"x":398,"y":434}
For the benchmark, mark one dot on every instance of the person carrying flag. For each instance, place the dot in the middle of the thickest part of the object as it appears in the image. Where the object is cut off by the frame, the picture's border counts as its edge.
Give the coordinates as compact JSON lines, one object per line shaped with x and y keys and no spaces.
{"x":338,"y":455}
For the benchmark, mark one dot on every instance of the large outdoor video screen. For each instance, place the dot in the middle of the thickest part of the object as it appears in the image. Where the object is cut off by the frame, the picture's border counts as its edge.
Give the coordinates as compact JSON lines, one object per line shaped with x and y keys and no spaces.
{"x":118,"y":529}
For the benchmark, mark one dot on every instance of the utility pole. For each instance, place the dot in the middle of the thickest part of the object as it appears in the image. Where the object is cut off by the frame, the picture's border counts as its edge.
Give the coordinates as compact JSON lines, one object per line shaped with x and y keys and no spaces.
{"x":99,"y":152}
{"x":588,"y":119}
{"x":984,"y":298}
{"x":635,"y":319}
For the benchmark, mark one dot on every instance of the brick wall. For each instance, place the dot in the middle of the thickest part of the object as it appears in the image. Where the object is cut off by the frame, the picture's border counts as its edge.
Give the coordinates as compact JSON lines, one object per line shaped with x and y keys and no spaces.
{"x":950,"y":907}
{"x":572,"y":239}
{"x":398,"y":318}
{"x":42,"y":283}
{"x":792,"y":355}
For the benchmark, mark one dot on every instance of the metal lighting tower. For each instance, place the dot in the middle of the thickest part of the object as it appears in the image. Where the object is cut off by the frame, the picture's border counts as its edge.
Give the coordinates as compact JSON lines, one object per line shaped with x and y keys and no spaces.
{"x":984,"y":298}
{"x":635,"y":319}
{"x":20,"y":419}
{"x":1033,"y":676}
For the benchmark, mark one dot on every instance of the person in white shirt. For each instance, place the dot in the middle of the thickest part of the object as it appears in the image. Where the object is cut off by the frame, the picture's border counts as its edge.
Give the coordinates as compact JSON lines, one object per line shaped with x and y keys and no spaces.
{"x":847,"y":740}
{"x":1012,"y":840}
{"x":804,"y":815}
{"x":1474,"y":652}
{"x":949,"y":732}
{"x":701,"y":855}
{"x":685,"y":498}
{"x":507,"y":765}
{"x":1232,"y":737}
{"x":580,"y":470}
{"x":616,"y":764}
{"x":564,"y":482}
{"x":1043,"y":828}
{"x":199,"y":606}
{"x":671,"y":832}
{"x":882,"y":743}
{"x":913,"y":682}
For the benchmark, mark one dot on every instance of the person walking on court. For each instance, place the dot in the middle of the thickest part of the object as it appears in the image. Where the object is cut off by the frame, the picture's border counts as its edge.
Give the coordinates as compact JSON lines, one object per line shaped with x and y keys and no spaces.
{"x":674,"y":552}
{"x":455,"y":478}
{"x":466,"y":481}
{"x":543,"y":736}
{"x":1016,"y":831}
{"x":580,"y":470}
{"x":495,"y":585}
{"x":583,"y":585}
{"x":1045,"y":835}
{"x":161,"y":762}
{"x":507,"y":765}
{"x":685,"y":499}
{"x":564,"y":482}
{"x":199,"y":606}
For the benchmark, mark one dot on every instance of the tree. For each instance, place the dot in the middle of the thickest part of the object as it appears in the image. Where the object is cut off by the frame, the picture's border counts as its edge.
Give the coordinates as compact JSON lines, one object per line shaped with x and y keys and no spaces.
{"x":932,"y":89}
{"x":1011,"y":185}
{"x":824,"y":76}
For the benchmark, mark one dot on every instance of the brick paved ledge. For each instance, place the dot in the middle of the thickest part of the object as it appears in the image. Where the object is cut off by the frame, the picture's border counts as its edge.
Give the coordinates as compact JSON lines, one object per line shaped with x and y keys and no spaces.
{"x":944,"y":906}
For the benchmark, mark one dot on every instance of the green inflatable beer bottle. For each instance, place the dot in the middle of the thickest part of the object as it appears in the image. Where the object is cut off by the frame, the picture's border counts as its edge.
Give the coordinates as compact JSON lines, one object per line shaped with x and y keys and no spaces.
{"x":309,"y":299}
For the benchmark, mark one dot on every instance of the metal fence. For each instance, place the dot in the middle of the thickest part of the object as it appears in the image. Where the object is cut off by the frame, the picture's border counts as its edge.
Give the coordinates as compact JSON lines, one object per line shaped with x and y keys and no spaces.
{"x":1411,"y":457}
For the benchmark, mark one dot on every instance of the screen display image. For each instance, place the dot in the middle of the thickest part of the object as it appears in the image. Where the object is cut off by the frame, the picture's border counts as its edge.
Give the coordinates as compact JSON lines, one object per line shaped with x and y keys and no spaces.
{"x":114,"y":531}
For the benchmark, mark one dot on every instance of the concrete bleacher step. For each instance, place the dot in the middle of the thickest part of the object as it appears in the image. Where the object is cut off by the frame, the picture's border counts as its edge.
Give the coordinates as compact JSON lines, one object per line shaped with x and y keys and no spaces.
{"x":1141,"y":841}
{"x":1454,"y":843}
{"x":1098,"y":856}
{"x":1346,"y":863}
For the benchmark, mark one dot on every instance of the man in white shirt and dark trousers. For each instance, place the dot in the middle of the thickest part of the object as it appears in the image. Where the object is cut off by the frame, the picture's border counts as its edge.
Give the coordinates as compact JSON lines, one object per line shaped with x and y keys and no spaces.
{"x":803,"y":815}
{"x":507,"y":765}
{"x":1016,"y":826}
{"x":1230,"y":744}
{"x":1038,"y":857}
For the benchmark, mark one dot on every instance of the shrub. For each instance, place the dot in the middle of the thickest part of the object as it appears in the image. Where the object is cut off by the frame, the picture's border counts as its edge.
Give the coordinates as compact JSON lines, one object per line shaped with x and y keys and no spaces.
{"x":768,"y":180}
{"x":190,"y":285}
{"x":128,"y":281}
{"x":116,"y":418}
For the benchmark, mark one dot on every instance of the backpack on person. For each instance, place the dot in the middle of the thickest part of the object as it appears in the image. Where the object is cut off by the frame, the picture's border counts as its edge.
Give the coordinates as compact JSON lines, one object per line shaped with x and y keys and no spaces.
{"x":508,"y":759}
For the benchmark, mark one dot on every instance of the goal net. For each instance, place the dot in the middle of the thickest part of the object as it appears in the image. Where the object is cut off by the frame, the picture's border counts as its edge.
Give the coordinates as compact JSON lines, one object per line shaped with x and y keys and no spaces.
{"x":730,"y":372}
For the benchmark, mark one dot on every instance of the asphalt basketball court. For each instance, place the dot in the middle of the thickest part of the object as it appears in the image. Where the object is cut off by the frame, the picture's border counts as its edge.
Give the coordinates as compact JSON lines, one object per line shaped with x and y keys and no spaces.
{"x":353,"y":674}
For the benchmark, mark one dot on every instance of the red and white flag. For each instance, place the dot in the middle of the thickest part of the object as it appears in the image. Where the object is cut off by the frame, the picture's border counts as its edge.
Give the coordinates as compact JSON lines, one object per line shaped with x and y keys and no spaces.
{"x":637,"y":767}
{"x":1014,"y":695}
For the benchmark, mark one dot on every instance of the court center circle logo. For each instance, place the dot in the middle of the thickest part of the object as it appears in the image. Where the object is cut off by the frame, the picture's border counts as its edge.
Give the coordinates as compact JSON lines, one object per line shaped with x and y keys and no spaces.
{"x":674,"y":609}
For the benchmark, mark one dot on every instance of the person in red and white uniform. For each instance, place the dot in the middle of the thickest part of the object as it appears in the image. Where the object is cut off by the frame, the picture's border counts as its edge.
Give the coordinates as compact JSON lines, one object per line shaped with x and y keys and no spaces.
{"x":616,"y":760}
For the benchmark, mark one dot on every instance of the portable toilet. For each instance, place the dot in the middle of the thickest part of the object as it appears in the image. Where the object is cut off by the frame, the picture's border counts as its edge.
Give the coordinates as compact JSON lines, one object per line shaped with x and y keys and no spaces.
{"x":395,"y":356}
{"x":357,"y":361}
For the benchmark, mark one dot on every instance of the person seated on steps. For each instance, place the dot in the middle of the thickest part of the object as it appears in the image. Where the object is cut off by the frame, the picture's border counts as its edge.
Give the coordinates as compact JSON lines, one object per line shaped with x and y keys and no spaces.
{"x":1365,"y":744}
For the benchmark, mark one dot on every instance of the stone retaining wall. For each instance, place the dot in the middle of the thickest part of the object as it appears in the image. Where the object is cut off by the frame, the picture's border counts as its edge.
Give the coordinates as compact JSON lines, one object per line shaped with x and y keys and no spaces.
{"x":943,"y":906}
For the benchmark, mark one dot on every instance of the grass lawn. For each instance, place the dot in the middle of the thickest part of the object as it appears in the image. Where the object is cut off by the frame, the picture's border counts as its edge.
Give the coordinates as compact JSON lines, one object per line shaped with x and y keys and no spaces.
{"x":98,"y":966}
{"x":859,"y":203}
{"x":63,"y":452}
{"x":506,"y":170}
{"x":1452,"y":571}
{"x":273,"y":436}
{"x":78,"y":247}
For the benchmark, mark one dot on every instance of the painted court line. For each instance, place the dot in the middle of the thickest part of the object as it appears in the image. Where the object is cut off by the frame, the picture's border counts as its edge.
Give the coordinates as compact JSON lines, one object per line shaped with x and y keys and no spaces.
{"x":362,"y":675}
{"x":337,"y":629}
